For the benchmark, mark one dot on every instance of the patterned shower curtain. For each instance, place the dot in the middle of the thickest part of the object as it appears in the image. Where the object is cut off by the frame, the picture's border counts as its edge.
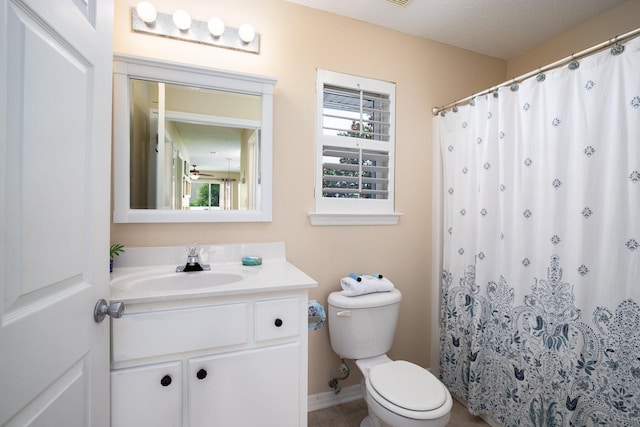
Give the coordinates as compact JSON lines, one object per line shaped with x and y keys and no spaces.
{"x":540,"y":291}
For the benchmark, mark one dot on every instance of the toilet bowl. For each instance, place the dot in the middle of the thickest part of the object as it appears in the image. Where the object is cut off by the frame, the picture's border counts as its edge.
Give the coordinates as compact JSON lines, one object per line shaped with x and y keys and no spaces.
{"x":402,"y":394}
{"x":398,"y":393}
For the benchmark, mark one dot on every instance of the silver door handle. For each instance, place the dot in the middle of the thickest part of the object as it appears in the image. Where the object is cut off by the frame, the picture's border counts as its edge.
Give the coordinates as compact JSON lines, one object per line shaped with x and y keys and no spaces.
{"x":102,"y":309}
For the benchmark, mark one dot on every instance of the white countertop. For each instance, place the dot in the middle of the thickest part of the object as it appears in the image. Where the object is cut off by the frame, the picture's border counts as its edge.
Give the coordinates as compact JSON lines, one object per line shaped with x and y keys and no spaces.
{"x":275,"y":274}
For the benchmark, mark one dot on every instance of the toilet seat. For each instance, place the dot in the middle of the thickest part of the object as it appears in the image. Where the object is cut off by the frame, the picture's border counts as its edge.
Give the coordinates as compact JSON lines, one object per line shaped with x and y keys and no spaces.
{"x":407,"y":390}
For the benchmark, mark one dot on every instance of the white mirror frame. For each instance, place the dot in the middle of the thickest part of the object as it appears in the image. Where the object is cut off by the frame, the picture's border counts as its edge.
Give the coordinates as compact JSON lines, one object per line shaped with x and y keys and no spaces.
{"x":126,"y":67}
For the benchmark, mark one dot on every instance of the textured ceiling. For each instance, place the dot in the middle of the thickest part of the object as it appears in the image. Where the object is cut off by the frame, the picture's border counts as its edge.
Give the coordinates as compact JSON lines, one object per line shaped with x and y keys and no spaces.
{"x":498,"y":28}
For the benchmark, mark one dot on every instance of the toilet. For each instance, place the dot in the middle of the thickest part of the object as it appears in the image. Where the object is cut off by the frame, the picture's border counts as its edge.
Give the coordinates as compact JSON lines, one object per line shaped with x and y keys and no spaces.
{"x":398,"y":393}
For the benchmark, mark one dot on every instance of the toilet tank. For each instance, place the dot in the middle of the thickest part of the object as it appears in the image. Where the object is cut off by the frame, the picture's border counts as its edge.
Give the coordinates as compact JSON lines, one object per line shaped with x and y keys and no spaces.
{"x":363,"y":326}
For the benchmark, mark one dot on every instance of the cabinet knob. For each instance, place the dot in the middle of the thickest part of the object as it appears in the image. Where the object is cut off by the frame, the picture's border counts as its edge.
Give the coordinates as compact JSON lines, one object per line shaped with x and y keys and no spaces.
{"x":201,"y":374}
{"x":165,"y":381}
{"x":278,"y":323}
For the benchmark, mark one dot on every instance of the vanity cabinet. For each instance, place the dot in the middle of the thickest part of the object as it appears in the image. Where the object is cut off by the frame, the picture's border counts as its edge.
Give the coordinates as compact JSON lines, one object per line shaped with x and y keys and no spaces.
{"x":215,"y":361}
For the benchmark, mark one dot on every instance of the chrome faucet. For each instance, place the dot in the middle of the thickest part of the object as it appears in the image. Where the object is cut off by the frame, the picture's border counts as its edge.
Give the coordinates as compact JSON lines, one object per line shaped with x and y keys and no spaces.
{"x":193,"y":261}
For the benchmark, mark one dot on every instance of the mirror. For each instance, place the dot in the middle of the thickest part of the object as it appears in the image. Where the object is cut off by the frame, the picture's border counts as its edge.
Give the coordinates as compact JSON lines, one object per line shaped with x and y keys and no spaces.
{"x":191,"y":144}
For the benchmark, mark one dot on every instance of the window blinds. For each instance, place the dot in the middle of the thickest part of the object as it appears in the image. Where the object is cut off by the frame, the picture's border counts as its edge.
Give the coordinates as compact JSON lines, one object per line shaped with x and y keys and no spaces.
{"x":355,"y":113}
{"x":350,"y":170}
{"x":355,"y":173}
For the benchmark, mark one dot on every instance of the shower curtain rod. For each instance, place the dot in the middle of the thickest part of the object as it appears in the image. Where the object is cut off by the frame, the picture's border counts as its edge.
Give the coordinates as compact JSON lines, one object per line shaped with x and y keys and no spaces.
{"x":572,"y":57}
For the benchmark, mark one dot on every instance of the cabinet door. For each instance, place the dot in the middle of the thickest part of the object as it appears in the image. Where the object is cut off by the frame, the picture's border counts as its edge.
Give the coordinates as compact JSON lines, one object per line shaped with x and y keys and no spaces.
{"x":258,"y":387}
{"x":147,"y":396}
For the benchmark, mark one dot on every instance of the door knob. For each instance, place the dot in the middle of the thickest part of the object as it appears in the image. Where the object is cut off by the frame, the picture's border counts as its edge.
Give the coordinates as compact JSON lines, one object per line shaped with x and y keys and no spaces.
{"x":102,"y":309}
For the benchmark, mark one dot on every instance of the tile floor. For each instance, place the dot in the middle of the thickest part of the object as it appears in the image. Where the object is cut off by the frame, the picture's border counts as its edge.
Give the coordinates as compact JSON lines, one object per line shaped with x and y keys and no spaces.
{"x":350,"y":414}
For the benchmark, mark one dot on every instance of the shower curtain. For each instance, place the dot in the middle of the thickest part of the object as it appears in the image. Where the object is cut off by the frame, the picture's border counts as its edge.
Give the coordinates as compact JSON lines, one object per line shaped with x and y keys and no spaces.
{"x":540,"y":286}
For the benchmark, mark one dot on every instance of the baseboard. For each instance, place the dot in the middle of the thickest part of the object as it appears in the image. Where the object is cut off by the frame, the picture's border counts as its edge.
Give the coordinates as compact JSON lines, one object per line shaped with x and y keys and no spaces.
{"x":329,"y":398}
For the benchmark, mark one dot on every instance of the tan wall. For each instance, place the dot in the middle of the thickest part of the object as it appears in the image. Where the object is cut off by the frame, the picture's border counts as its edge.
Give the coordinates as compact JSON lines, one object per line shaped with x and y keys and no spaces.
{"x":296,"y":40}
{"x":614,"y":22}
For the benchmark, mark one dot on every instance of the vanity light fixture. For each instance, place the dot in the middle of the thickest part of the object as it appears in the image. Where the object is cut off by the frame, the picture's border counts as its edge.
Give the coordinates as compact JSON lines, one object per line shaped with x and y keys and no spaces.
{"x":179,"y":25}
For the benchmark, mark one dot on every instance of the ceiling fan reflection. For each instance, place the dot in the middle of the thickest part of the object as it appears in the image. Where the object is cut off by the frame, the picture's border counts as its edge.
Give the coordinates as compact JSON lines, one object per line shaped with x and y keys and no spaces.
{"x":196,"y":174}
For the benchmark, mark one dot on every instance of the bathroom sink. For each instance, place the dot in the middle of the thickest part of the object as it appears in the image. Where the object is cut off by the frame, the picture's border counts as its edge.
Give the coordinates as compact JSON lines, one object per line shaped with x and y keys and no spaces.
{"x":178,"y":281}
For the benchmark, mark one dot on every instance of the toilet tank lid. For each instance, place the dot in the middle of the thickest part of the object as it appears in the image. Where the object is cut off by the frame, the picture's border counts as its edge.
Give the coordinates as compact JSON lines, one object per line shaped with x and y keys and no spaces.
{"x":376,"y":299}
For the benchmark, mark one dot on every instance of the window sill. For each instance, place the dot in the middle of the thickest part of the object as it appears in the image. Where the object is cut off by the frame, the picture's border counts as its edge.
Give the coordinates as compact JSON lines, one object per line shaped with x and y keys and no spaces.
{"x":341,"y":218}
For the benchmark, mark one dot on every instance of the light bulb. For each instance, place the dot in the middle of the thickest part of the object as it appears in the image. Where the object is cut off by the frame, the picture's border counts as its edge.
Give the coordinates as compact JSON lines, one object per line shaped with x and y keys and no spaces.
{"x":146,"y":12}
{"x":247,"y":33}
{"x":181,"y":19}
{"x":216,"y":26}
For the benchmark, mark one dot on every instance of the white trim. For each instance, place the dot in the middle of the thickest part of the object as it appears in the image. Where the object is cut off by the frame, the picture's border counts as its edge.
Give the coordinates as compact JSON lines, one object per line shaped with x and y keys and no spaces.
{"x":125,"y":67}
{"x":173,"y":72}
{"x":352,"y":206}
{"x":330,"y":398}
{"x":341,"y":218}
{"x":206,"y":119}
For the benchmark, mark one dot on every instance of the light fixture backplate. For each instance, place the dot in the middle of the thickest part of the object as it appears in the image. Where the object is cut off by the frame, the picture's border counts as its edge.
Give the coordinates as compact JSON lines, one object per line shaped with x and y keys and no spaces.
{"x":400,"y":3}
{"x":198,"y":32}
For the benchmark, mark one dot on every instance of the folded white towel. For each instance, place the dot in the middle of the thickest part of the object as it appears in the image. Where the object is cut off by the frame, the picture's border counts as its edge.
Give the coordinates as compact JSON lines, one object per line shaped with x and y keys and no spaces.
{"x":368,"y":285}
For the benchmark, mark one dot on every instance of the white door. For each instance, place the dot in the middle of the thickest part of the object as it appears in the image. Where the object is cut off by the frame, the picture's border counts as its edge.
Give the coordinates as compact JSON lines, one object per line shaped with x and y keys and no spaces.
{"x":55,"y":132}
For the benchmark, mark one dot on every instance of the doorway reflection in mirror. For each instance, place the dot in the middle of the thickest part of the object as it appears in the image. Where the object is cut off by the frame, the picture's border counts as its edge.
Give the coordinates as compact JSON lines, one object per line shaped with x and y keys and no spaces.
{"x":207,"y":157}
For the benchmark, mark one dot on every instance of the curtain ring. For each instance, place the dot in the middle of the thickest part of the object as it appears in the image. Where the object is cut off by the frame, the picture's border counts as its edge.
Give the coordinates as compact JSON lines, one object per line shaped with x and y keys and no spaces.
{"x":573,"y":65}
{"x":617,"y":48}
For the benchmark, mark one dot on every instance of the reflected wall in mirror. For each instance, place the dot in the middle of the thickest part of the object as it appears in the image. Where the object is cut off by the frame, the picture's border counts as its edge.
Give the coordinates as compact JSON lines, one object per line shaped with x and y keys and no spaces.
{"x":191,"y":144}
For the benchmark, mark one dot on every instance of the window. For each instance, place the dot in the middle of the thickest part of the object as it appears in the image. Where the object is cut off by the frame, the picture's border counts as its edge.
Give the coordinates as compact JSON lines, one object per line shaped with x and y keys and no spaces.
{"x":216,"y":195}
{"x":205,"y":196}
{"x":355,"y":141}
